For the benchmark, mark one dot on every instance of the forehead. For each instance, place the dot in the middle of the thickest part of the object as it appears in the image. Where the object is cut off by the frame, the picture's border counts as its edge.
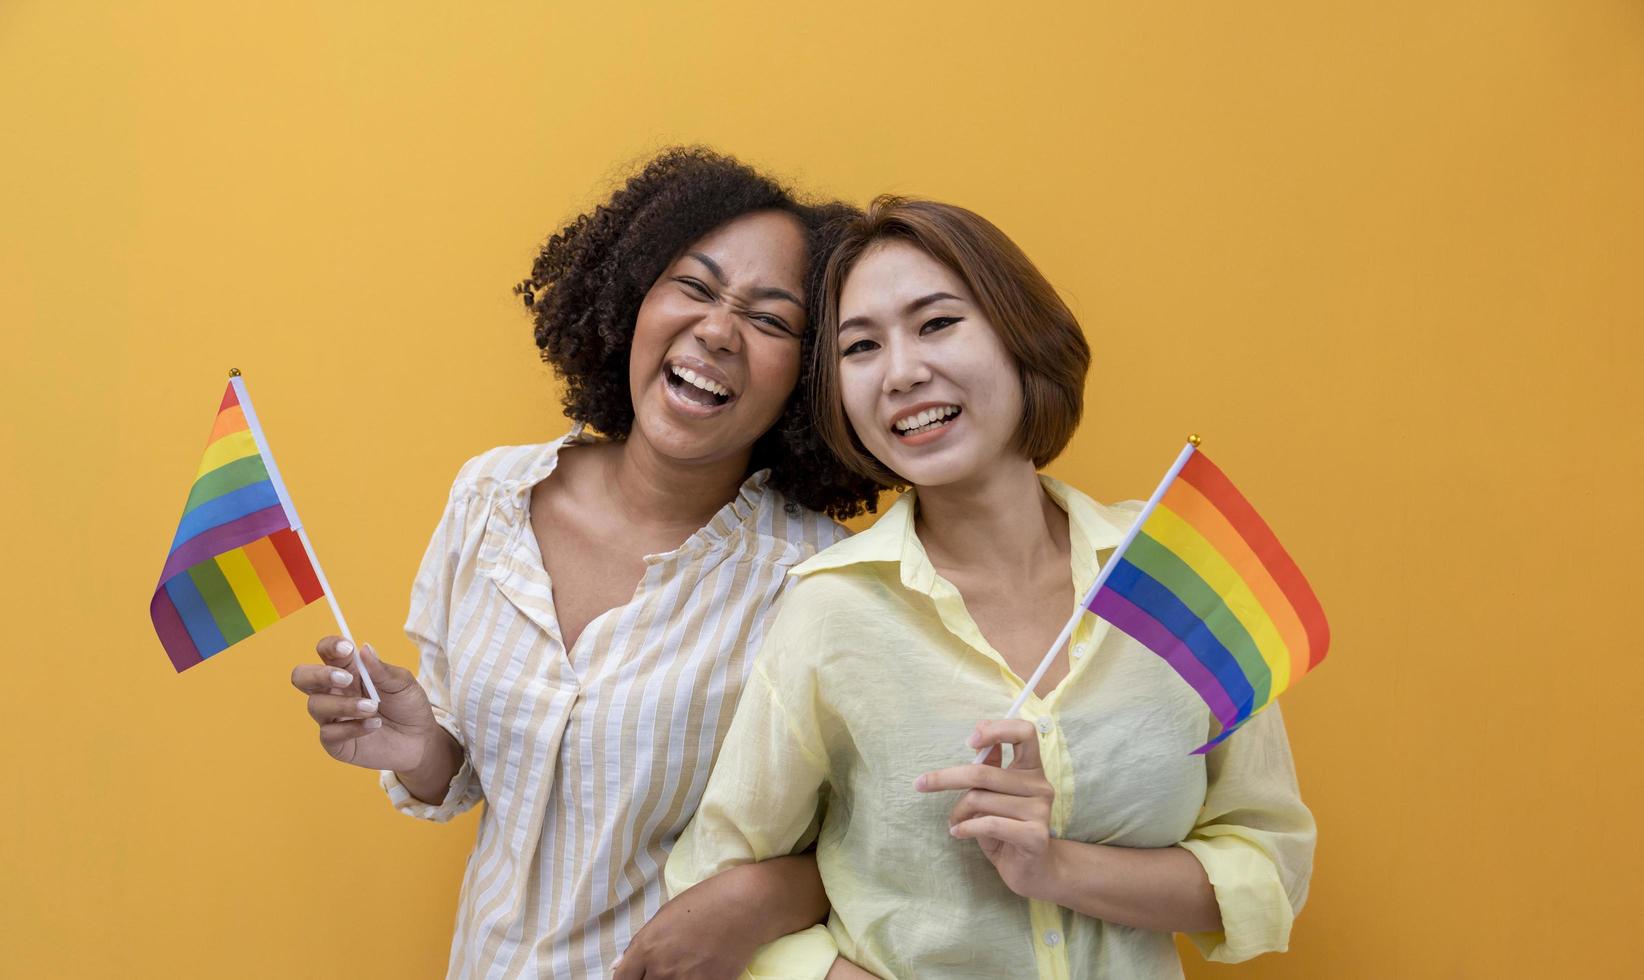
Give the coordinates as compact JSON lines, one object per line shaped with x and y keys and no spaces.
{"x":761,"y":247}
{"x":892,"y":273}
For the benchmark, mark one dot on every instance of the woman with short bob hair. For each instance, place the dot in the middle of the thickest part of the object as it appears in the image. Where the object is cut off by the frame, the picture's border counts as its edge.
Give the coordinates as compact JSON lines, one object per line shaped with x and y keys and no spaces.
{"x":950,"y":366}
{"x":587,"y":607}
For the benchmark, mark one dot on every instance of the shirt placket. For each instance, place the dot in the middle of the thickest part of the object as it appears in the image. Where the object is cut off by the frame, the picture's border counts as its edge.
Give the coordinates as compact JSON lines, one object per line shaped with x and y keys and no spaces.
{"x":1044,"y":918}
{"x":1047,"y":918}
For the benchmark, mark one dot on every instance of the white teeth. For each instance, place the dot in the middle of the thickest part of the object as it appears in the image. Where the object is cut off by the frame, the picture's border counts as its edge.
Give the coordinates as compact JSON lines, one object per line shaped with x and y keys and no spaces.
{"x":925,"y":419}
{"x":696,"y":380}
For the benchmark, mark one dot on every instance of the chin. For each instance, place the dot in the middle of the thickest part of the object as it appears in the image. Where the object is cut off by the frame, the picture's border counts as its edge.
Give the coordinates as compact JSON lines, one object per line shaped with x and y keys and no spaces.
{"x":928,"y":472}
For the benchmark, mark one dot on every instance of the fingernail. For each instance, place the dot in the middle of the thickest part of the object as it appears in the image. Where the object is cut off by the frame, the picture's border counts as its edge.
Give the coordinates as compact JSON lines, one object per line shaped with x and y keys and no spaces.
{"x":367,"y":707}
{"x":341,"y":678}
{"x":372,"y":724}
{"x":919,"y":783}
{"x":953,"y":830}
{"x":344,"y":648}
{"x":975,"y":740}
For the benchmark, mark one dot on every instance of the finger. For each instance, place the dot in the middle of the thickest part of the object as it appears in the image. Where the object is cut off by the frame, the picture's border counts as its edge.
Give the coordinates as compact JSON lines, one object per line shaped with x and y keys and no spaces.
{"x":979,"y":776}
{"x":335,"y":650}
{"x":388,"y":678}
{"x":1022,"y":833}
{"x":339,"y":733}
{"x":327,"y":708}
{"x":982,"y":803}
{"x":1018,"y":734}
{"x":320,"y":679}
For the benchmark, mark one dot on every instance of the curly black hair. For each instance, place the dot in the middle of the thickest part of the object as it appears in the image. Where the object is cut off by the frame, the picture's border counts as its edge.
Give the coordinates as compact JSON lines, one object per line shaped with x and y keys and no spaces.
{"x":588,"y":281}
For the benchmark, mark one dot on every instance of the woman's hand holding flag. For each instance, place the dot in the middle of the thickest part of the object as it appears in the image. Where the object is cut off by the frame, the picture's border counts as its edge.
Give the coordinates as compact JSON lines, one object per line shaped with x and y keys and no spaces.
{"x":1005,"y":810}
{"x":398,"y":732}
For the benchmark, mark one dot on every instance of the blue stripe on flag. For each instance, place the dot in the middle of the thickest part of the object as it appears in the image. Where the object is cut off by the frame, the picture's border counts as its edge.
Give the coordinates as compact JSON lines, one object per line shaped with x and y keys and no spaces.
{"x":228,"y":507}
{"x":197,"y":619}
{"x":1162,"y":604}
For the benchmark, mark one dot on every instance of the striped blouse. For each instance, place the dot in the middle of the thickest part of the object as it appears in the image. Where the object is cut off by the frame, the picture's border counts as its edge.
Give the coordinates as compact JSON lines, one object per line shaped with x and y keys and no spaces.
{"x":590,"y":763}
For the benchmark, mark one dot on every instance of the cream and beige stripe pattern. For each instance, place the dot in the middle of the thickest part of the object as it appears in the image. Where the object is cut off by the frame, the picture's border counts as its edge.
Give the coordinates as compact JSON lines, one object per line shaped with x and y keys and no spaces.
{"x":590,"y":761}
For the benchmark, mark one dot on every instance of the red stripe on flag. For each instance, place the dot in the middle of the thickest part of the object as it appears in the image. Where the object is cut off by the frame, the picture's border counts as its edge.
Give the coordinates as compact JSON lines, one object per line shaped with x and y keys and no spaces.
{"x":229,"y":398}
{"x":1210,"y":481}
{"x":291,"y":552}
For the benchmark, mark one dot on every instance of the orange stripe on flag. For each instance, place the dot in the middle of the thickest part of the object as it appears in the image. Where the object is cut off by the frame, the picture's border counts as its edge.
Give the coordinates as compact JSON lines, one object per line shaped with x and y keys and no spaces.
{"x":1195,"y":508}
{"x":276,"y":580}
{"x":231,"y":419}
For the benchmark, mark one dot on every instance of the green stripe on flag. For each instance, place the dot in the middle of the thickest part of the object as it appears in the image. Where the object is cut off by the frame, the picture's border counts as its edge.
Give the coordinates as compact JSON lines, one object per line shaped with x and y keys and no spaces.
{"x":1168,"y":569}
{"x":220,"y":599}
{"x":226,"y":479}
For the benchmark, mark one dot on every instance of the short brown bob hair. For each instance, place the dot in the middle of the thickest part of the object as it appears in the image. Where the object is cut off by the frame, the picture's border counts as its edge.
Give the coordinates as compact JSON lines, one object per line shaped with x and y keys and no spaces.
{"x":1033,"y":323}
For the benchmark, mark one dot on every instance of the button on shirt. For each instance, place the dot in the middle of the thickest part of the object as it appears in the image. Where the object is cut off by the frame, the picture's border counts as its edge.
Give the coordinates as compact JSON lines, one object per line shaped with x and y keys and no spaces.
{"x":589,"y":760}
{"x":874,"y":673}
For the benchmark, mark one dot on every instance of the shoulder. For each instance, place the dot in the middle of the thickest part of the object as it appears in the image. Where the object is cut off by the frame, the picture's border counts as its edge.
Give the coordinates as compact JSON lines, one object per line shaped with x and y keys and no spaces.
{"x":499,"y":474}
{"x":1097,"y":524}
{"x":501,"y":466}
{"x":838,"y":584}
{"x":789,"y":532}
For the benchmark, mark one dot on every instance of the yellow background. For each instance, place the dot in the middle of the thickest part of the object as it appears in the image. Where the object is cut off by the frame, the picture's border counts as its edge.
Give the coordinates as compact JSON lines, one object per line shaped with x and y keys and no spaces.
{"x":1385,"y":256}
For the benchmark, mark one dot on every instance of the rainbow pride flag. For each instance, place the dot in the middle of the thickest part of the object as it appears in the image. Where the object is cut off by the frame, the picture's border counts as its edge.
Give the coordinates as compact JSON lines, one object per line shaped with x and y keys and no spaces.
{"x":1203,"y":582}
{"x":238,"y":562}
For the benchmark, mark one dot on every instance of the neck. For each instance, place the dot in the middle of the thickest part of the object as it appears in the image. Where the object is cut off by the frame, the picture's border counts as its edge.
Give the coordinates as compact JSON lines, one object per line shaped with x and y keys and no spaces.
{"x":652,"y":489}
{"x":1003,"y":522}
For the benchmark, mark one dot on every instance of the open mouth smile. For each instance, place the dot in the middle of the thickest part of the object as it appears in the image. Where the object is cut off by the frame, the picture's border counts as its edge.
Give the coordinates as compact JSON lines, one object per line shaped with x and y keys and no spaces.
{"x":925,"y":421}
{"x":696,"y":387}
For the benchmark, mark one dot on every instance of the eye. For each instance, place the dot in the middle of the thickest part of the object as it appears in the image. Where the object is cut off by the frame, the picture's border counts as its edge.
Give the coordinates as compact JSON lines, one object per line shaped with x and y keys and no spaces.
{"x":860,"y":347}
{"x":694,"y":286}
{"x":775,"y":323}
{"x":939,"y":323}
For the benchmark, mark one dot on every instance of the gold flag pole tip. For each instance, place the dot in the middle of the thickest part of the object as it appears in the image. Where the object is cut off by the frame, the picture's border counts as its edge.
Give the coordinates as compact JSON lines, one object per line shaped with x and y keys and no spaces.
{"x":1194,"y":440}
{"x":235,"y":373}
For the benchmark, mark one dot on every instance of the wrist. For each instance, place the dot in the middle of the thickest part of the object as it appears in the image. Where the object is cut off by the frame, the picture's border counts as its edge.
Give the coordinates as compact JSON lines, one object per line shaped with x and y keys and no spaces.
{"x":438,"y":759}
{"x":1072,"y":872}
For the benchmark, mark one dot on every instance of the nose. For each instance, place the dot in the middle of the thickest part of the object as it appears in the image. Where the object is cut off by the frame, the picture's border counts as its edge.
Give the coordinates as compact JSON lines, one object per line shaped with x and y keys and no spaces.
{"x":717,"y":331}
{"x":904,"y":368}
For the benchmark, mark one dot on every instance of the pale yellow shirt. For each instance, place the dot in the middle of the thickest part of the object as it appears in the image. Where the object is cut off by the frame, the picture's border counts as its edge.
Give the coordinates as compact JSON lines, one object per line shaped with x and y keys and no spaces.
{"x":589,"y":759}
{"x":874,"y":673}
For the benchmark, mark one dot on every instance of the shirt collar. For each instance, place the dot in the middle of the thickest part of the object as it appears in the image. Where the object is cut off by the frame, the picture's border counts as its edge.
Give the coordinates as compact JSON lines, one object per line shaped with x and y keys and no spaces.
{"x":1092,"y":527}
{"x":735,"y":525}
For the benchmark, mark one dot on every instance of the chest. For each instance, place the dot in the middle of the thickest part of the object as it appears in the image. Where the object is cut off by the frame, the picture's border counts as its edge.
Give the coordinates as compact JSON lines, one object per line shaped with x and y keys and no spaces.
{"x":594,"y":565}
{"x":1020,"y":619}
{"x":1116,"y":740}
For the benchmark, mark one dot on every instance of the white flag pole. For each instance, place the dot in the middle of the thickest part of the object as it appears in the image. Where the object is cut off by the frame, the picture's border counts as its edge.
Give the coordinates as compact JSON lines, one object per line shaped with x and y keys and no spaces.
{"x":1101,"y":579}
{"x":244,"y":398}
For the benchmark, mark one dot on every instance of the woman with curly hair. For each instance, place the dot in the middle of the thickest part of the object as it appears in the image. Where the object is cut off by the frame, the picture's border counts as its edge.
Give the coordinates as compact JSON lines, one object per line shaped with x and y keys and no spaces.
{"x":586,"y":610}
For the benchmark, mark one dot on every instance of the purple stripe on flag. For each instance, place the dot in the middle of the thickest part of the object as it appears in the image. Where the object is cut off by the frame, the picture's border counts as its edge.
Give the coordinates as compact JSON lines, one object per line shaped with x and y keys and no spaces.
{"x":223,"y":538}
{"x":1147,"y":631}
{"x":1219,"y":739}
{"x":173,"y":634}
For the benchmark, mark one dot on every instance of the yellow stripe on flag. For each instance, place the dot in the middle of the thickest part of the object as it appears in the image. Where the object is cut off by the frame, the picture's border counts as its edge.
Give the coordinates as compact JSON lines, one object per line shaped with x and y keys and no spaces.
{"x":248,"y":589}
{"x":235,"y":445}
{"x":1195,"y":508}
{"x":1168,"y":528}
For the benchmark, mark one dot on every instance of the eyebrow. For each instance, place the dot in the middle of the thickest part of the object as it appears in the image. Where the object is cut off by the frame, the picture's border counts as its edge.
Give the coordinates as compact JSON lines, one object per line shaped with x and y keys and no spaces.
{"x":913,"y":307}
{"x":758,"y":292}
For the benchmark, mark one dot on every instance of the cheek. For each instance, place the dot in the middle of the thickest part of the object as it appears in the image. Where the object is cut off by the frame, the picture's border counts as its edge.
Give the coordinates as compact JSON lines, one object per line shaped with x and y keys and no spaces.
{"x":649,"y":330}
{"x":859,"y":394}
{"x":773,"y":369}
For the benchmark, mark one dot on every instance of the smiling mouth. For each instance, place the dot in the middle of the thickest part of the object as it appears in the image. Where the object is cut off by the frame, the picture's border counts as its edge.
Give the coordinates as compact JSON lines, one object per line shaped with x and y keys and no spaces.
{"x":929,"y":420}
{"x":694,"y":387}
